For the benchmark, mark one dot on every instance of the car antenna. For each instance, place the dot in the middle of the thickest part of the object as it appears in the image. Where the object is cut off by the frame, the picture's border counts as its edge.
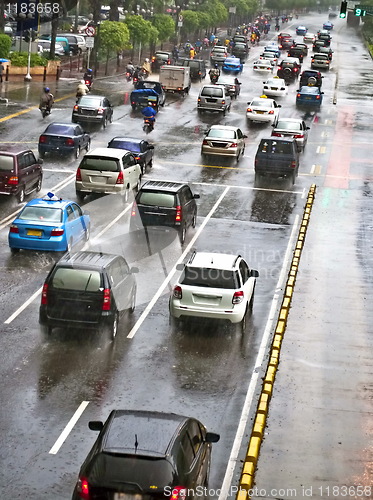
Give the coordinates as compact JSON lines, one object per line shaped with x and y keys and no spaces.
{"x":136,"y":443}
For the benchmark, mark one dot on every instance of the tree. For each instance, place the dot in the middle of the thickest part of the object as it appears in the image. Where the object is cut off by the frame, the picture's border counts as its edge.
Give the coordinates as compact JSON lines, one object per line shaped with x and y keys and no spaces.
{"x":114,"y":36}
{"x":141,"y":31}
{"x":5,"y":45}
{"x":165,"y":26}
{"x":190,"y":22}
{"x":217,"y":11}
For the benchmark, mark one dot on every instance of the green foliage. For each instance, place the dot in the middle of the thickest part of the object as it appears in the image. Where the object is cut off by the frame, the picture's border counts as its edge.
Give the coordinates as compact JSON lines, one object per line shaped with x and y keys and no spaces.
{"x":217,"y":11}
{"x":20,"y":59}
{"x":165,"y":26}
{"x":114,"y":36}
{"x":190,"y":21}
{"x":140,"y":30}
{"x":65,"y":27}
{"x":204,"y":20}
{"x":5,"y":44}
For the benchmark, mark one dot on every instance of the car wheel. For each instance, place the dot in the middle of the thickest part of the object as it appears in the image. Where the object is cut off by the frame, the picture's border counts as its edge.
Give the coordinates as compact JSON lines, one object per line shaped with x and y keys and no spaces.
{"x":243,"y":322}
{"x":46,"y":330}
{"x":77,"y":152}
{"x":150,"y":163}
{"x":87,"y":233}
{"x":80,"y":195}
{"x":69,"y":245}
{"x":38,"y":185}
{"x":133,"y":300}
{"x":21,"y":195}
{"x":182,"y":234}
{"x":13,"y":251}
{"x":126,"y":195}
{"x":111,"y":118}
{"x":251,"y":303}
{"x":137,"y":187}
{"x":104,"y":122}
{"x":74,"y":120}
{"x":88,"y":146}
{"x":194,"y":220}
{"x":112,"y":329}
{"x":293,"y":176}
{"x":41,"y":154}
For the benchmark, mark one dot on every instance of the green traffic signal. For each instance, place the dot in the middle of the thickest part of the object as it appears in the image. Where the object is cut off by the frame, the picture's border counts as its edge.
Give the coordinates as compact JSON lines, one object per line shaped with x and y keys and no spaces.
{"x":343,"y":10}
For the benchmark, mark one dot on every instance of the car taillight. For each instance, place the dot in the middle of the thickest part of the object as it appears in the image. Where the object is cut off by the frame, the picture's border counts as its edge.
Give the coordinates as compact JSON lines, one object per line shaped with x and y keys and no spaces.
{"x":177,"y":293}
{"x":233,"y":145}
{"x":178,"y":493}
{"x":276,"y":134}
{"x":100,"y":111}
{"x":87,"y":82}
{"x":106,"y":303}
{"x":223,"y":102}
{"x":178,"y":213}
{"x":137,"y":158}
{"x":168,"y":62}
{"x":42,"y":139}
{"x":13,"y":229}
{"x":13,"y":180}
{"x":204,"y":143}
{"x":317,"y":97}
{"x":120,"y":179}
{"x":57,"y":232}
{"x":78,"y":176}
{"x":298,"y":136}
{"x":133,"y":211}
{"x":198,"y":100}
{"x":295,"y":70}
{"x":153,"y":58}
{"x":76,"y":107}
{"x":298,"y":95}
{"x":271,"y":112}
{"x":249,"y":110}
{"x":237,"y":297}
{"x":44,"y":295}
{"x":69,"y":142}
{"x":83,"y":488}
{"x":293,"y":164}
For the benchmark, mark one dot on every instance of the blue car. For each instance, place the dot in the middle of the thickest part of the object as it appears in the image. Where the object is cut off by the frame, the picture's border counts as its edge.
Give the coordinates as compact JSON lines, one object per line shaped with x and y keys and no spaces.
{"x":49,"y":223}
{"x":232,"y":65}
{"x":301,"y":30}
{"x":273,"y":48}
{"x":328,"y":26}
{"x":309,"y":96}
{"x":63,"y":138}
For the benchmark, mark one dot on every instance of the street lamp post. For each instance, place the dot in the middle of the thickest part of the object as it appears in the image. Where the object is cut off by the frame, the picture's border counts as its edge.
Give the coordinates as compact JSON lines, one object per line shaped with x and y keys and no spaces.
{"x":28,"y":77}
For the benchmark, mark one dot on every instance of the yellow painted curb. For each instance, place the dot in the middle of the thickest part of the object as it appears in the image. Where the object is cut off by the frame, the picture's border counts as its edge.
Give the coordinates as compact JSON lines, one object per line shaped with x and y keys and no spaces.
{"x":249,"y":468}
{"x":242,"y":495}
{"x":254,"y":447}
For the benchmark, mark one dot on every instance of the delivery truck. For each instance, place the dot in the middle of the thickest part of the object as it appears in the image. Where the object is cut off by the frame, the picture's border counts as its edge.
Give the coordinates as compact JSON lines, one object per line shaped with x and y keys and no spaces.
{"x":175,"y":79}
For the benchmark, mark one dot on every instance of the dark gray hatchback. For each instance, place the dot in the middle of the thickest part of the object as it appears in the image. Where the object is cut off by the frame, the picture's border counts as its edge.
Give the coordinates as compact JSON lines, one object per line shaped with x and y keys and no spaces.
{"x":146,"y":455}
{"x":277,"y":158}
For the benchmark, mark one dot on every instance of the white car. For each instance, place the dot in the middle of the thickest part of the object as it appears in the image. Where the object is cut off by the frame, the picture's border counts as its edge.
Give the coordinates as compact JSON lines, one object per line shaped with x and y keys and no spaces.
{"x":309,"y":38}
{"x":275,"y":87}
{"x":224,"y":140}
{"x":45,"y":46}
{"x":263,"y":109}
{"x":216,"y":286}
{"x":263,"y":65}
{"x":270,"y":56}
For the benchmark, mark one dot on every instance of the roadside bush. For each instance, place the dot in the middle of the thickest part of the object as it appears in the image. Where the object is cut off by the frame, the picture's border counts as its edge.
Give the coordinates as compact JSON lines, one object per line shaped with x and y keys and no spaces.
{"x":5,"y":44}
{"x":20,"y":59}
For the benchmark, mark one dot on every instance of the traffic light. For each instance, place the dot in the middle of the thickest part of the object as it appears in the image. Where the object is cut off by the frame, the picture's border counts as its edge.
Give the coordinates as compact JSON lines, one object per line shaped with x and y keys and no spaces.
{"x":343,"y":9}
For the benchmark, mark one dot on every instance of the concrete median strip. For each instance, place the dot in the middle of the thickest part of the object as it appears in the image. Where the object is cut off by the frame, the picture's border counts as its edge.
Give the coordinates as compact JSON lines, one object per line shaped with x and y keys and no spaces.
{"x":252,"y":455}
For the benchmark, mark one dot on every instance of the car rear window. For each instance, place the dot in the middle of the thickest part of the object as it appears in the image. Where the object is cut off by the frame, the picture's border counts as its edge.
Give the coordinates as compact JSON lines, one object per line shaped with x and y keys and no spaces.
{"x":60,"y":129}
{"x":194,"y":64}
{"x":220,"y":133}
{"x":288,"y":125}
{"x":100,"y":164}
{"x":156,"y":199}
{"x":41,"y":214}
{"x":130,"y":146}
{"x":211,"y":278}
{"x":212,"y":92}
{"x":76,"y":279}
{"x":276,"y":147}
{"x":89,"y":102}
{"x":6,"y":163}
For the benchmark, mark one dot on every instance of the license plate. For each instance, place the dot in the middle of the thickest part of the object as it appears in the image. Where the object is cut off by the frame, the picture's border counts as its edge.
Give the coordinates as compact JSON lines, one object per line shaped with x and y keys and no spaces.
{"x":126,"y":496}
{"x":274,"y":88}
{"x":259,"y":112}
{"x":34,"y":232}
{"x":98,"y":179}
{"x":308,"y":98}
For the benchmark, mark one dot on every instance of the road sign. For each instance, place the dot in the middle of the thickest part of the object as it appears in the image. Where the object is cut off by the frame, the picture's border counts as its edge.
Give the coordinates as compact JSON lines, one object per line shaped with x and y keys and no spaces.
{"x":90,"y":31}
{"x":181,"y":18}
{"x":89,"y":42}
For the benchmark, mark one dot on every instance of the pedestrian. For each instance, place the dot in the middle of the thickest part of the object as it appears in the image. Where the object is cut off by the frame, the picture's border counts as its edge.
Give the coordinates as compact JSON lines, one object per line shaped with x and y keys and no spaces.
{"x":1,"y":73}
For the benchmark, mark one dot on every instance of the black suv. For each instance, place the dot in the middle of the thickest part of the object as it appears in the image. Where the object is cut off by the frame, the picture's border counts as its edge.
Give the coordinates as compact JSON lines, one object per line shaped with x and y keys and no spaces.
{"x":146,"y":454}
{"x":296,"y":51}
{"x":93,"y":109}
{"x":277,"y":157}
{"x":310,"y":77}
{"x":87,"y":290}
{"x":197,"y":67}
{"x":288,"y":69}
{"x":164,"y":204}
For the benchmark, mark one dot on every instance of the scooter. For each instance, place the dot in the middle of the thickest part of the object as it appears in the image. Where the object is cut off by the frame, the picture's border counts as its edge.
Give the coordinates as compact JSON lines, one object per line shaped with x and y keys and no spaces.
{"x":128,"y":76}
{"x":148,"y":125}
{"x":88,"y":83}
{"x":214,"y":78}
{"x":45,"y":110}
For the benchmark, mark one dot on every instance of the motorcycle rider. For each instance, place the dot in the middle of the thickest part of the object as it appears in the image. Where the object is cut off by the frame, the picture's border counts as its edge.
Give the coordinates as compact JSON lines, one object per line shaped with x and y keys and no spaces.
{"x":149,"y":113}
{"x":88,"y":76}
{"x":214,"y":73}
{"x":46,"y":99}
{"x":82,"y":89}
{"x":146,"y":68}
{"x":130,"y":68}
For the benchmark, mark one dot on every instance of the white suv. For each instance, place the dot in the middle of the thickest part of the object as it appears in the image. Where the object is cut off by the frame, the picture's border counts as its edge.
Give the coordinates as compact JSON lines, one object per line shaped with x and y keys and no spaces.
{"x":214,"y":285}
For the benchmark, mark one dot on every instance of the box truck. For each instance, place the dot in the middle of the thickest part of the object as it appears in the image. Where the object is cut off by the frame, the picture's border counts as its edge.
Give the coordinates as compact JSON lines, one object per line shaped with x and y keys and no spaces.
{"x":175,"y":79}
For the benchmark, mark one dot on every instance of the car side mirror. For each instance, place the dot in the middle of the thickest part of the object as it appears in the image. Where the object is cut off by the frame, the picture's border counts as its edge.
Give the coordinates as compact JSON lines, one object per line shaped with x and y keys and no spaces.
{"x":134,"y":270}
{"x":95,"y":425}
{"x":254,"y":273}
{"x":279,"y":105}
{"x":244,"y":136}
{"x":321,"y":92}
{"x":196,"y":196}
{"x":150,"y":146}
{"x":308,"y":128}
{"x":40,"y":160}
{"x":212,"y":437}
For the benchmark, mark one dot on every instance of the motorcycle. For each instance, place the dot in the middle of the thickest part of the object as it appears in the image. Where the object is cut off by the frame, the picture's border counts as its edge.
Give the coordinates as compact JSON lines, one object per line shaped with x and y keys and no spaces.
{"x":88,"y":83}
{"x":214,"y":78}
{"x":128,"y":76}
{"x":148,"y":125}
{"x":45,"y":110}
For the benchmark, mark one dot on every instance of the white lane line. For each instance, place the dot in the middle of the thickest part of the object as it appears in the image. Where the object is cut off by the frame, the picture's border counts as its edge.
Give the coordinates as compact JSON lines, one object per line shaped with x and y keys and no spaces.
{"x":241,"y":430}
{"x":23,"y":306}
{"x":38,"y":292}
{"x":173,"y":270}
{"x":59,"y":170}
{"x":63,"y":436}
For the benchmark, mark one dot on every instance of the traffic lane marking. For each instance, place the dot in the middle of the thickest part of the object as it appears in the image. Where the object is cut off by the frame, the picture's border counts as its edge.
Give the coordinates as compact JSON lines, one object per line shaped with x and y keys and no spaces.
{"x":69,"y":427}
{"x":241,"y":429}
{"x":27,"y":110}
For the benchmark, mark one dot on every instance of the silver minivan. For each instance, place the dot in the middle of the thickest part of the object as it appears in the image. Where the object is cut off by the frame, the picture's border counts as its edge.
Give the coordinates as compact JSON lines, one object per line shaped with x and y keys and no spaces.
{"x":214,"y":97}
{"x":107,"y":170}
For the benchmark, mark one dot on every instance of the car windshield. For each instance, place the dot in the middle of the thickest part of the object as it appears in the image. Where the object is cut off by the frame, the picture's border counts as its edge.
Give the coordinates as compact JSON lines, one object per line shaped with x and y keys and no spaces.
{"x":212,"y":92}
{"x":6,"y":163}
{"x":100,"y":164}
{"x":44,"y":214}
{"x":275,"y":147}
{"x":60,"y":129}
{"x":284,"y":125}
{"x":134,"y":147}
{"x":94,"y":102}
{"x":86,"y":280}
{"x":156,"y":199}
{"x":211,"y":278}
{"x":220,"y":133}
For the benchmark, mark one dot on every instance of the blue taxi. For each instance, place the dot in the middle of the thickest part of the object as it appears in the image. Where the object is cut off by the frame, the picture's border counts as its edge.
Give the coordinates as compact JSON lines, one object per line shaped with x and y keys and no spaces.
{"x":309,"y":96}
{"x":232,"y":65}
{"x":49,"y":223}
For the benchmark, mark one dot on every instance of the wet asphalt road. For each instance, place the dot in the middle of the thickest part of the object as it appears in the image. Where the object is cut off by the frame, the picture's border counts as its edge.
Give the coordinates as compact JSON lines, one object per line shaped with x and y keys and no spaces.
{"x":201,"y":369}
